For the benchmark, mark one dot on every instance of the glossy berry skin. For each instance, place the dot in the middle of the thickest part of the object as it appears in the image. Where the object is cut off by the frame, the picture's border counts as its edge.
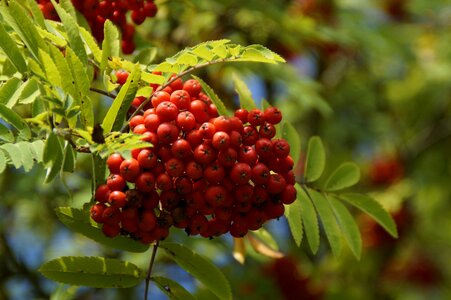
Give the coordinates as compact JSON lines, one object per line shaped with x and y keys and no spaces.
{"x":102,"y":193}
{"x":116,"y":182}
{"x":121,"y":77}
{"x":96,"y":212}
{"x":117,"y":199}
{"x":130,"y":169}
{"x":181,"y":99}
{"x":272,"y":115}
{"x":114,"y":162}
{"x":241,"y":173}
{"x":193,"y":87}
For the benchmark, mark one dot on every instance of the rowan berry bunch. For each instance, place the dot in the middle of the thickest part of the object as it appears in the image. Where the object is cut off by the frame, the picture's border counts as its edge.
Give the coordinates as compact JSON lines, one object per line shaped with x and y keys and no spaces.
{"x":97,"y":12}
{"x":206,"y":174}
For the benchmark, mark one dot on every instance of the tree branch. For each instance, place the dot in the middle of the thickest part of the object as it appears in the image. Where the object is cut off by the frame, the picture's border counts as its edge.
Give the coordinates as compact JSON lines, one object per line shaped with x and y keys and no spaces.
{"x":99,"y":91}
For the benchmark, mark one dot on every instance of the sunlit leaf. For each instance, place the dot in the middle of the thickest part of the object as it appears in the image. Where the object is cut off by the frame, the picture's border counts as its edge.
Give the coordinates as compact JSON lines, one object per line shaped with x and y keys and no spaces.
{"x":115,"y":116}
{"x":11,"y":50}
{"x":15,"y":120}
{"x":73,"y":33}
{"x":110,"y":45}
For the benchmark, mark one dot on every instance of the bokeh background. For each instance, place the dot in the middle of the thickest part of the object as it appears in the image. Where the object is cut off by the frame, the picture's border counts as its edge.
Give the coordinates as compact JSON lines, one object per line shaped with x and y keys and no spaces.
{"x":372,"y":78}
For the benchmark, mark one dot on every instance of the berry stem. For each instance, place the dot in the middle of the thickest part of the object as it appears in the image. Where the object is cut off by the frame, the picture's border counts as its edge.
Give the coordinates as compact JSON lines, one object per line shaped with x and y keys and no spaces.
{"x":102,"y":92}
{"x":149,"y":272}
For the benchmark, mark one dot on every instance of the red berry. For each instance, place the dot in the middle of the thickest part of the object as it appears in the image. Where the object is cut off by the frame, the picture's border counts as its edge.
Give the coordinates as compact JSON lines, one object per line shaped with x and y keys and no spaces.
{"x":145,"y":182}
{"x":117,"y":199}
{"x":102,"y":193}
{"x":147,"y":159}
{"x":111,"y":230}
{"x":116,"y":182}
{"x":221,"y":140}
{"x":181,"y":99}
{"x":114,"y":162}
{"x":97,"y":212}
{"x":272,"y":115}
{"x":167,"y":111}
{"x":241,"y":173}
{"x":255,"y":117}
{"x":193,"y":87}
{"x":129,"y":169}
{"x":121,"y":77}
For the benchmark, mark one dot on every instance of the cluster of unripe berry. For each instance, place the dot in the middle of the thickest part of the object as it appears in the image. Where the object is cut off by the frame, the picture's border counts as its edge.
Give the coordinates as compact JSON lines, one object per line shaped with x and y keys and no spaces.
{"x":97,"y":12}
{"x":207,"y":174}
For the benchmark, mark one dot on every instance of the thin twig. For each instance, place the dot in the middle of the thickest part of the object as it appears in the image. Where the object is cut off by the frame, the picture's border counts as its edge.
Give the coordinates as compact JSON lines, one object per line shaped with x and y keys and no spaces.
{"x":149,"y":272}
{"x":93,"y":89}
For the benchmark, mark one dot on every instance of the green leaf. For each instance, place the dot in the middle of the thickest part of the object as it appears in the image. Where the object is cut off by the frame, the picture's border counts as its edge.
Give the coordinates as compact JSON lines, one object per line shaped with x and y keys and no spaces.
{"x":98,"y":165}
{"x":263,"y":235}
{"x":96,"y":272}
{"x":290,"y":134}
{"x":66,"y":79}
{"x":11,"y":50}
{"x":80,"y":221}
{"x":69,"y":158}
{"x":15,"y":120}
{"x":92,"y":44}
{"x":201,"y":268}
{"x":145,"y":56}
{"x":10,"y":92}
{"x":374,"y":209}
{"x":120,"y":142}
{"x":243,"y":91}
{"x":172,"y":289}
{"x":56,"y":162}
{"x":214,"y":98}
{"x":51,"y":71}
{"x":52,"y":148}
{"x":68,"y":7}
{"x":36,"y":12}
{"x":346,"y":175}
{"x":73,"y":33}
{"x":19,"y":19}
{"x":79,"y":72}
{"x":6,"y":134}
{"x":30,"y":91}
{"x":152,"y":78}
{"x":309,"y":219}
{"x":26,"y":154}
{"x":328,"y":220}
{"x":3,"y":162}
{"x":348,"y":226}
{"x":259,"y":53}
{"x":14,"y":154}
{"x":110,"y":45}
{"x":37,"y":148}
{"x":294,"y":217}
{"x":315,"y":160}
{"x":115,"y":116}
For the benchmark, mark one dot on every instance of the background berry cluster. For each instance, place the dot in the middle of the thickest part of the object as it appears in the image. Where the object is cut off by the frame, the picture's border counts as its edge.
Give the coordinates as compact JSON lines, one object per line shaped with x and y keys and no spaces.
{"x":207,"y":174}
{"x":97,"y":12}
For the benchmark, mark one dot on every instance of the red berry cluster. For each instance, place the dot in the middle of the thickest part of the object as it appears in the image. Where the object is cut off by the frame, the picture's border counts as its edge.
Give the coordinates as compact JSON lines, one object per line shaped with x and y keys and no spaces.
{"x":207,"y":174}
{"x":97,"y":12}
